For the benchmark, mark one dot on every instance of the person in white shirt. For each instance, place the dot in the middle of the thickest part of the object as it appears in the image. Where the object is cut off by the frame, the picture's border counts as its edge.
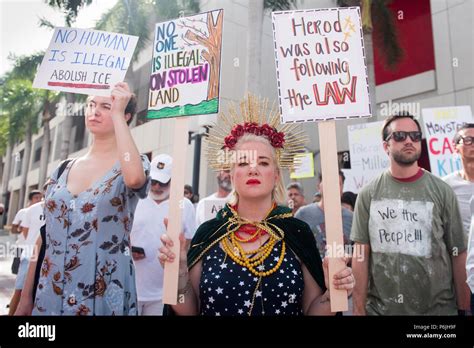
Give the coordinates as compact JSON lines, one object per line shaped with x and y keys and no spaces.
{"x":470,"y":256}
{"x":462,"y":183}
{"x":34,"y":197}
{"x":224,"y":187}
{"x":30,"y":225}
{"x":148,"y":226}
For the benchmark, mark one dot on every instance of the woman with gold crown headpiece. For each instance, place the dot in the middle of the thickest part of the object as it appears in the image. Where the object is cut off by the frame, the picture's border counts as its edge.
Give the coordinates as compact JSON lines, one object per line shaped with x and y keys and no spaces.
{"x":254,"y":258}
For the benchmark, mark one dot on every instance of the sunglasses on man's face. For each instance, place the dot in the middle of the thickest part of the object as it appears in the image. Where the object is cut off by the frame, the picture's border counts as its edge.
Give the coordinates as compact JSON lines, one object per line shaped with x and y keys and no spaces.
{"x":401,"y":136}
{"x":155,"y":182}
{"x":467,"y":140}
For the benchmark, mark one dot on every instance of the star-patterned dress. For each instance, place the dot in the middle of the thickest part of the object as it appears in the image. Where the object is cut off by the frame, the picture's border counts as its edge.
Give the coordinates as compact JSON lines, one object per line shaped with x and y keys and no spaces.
{"x":87,"y":268}
{"x":228,"y":289}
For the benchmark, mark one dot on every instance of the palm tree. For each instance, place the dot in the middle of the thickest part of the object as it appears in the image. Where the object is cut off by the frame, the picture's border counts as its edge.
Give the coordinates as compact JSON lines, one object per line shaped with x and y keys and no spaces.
{"x":383,"y":32}
{"x":21,"y":103}
{"x":129,"y":19}
{"x":9,"y":133}
{"x":25,"y":67}
{"x":139,"y":18}
{"x":70,"y":8}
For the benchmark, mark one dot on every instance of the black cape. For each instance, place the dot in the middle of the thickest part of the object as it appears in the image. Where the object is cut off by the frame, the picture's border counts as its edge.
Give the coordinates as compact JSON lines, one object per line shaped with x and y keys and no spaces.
{"x":298,"y":237}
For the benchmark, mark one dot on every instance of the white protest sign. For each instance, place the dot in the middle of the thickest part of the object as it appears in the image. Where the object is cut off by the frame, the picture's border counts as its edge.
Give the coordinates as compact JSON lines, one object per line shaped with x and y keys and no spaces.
{"x":186,"y":63}
{"x":304,"y":166}
{"x":320,"y":64}
{"x":212,"y":207}
{"x":356,"y":179}
{"x":398,"y":226}
{"x":441,"y":125}
{"x":368,"y":158}
{"x":366,"y":147}
{"x":85,"y":61}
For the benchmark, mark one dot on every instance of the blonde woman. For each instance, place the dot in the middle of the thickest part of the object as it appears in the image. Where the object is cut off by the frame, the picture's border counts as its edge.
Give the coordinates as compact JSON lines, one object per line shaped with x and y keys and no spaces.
{"x":254,"y":258}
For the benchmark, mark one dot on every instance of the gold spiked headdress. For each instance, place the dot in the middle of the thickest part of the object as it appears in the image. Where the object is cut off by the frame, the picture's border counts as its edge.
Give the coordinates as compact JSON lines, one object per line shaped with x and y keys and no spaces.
{"x":257,"y":118}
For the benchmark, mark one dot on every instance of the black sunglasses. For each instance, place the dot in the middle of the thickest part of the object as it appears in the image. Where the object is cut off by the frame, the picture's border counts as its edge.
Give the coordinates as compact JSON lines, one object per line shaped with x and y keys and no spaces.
{"x":467,"y":140}
{"x":154,"y":182}
{"x":401,"y":136}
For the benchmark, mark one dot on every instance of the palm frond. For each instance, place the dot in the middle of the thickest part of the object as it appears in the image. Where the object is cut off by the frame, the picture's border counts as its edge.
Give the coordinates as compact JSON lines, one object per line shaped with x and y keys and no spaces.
{"x":385,"y":34}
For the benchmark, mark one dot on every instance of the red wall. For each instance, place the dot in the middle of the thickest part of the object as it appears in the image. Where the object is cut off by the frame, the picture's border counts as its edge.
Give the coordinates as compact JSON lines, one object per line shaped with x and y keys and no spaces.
{"x":416,"y":38}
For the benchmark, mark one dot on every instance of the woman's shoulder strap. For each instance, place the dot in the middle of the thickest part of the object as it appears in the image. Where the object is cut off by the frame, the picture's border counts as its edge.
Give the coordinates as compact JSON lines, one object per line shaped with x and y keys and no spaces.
{"x":62,"y":167}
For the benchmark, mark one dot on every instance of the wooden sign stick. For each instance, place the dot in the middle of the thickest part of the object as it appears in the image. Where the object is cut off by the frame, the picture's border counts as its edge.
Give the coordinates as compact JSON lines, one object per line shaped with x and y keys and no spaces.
{"x":170,"y":280}
{"x":332,"y":210}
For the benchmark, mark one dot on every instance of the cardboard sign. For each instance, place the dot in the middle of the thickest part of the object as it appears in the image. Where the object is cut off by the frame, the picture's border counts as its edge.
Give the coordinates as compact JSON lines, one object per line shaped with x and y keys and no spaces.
{"x":320,"y":64}
{"x":441,"y":125}
{"x":185,"y":69}
{"x":85,"y":61}
{"x":304,"y":166}
{"x":368,"y":158}
{"x":212,"y":207}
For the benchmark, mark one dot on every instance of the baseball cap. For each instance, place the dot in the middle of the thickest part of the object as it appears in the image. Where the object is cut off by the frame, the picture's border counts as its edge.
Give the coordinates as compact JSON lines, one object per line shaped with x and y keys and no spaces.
{"x":161,"y":168}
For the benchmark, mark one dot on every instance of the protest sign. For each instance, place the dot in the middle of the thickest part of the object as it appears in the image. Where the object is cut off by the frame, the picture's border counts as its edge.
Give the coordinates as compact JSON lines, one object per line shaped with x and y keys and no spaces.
{"x":320,"y":64}
{"x":212,"y":207}
{"x":368,"y":158}
{"x":184,"y":81}
{"x":321,"y":73}
{"x":304,"y":166}
{"x":355,"y":179}
{"x":85,"y":61}
{"x":185,"y":70}
{"x":441,"y":125}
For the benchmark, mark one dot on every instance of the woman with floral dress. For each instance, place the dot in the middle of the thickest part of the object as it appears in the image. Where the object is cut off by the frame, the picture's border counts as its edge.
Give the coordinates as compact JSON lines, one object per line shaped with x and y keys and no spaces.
{"x":87,"y":268}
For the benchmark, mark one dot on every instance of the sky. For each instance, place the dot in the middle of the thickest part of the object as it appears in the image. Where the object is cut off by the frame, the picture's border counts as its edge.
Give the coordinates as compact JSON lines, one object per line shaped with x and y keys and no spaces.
{"x":19,"y":25}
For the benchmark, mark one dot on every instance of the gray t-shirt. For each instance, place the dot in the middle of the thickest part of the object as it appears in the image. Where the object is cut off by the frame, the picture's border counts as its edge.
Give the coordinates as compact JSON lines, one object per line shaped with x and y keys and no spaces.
{"x":413,"y":229}
{"x":313,"y":215}
{"x":464,"y":191}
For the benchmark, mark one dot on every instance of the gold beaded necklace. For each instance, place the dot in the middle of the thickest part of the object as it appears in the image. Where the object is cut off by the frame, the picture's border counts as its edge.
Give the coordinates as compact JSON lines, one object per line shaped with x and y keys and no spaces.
{"x":253,"y":260}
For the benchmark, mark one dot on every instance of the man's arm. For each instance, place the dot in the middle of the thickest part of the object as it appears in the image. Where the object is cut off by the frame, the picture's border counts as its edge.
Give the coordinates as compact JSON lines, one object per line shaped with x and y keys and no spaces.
{"x":360,"y":269}
{"x":463,"y":295}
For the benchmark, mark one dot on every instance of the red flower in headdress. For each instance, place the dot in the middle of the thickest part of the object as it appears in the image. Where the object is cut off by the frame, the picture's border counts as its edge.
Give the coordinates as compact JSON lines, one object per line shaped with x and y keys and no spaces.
{"x":277,"y":139}
{"x":230,"y":141}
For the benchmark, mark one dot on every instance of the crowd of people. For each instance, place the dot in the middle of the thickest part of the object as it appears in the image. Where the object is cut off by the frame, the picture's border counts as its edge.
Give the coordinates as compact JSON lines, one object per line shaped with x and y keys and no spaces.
{"x":102,"y":228}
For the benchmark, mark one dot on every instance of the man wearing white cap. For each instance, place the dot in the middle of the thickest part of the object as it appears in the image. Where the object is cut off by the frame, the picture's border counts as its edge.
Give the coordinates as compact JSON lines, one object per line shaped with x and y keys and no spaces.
{"x":148,"y":226}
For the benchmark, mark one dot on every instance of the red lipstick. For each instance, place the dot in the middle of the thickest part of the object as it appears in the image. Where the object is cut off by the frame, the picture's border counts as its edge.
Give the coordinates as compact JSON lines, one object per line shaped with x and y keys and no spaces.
{"x":253,"y":182}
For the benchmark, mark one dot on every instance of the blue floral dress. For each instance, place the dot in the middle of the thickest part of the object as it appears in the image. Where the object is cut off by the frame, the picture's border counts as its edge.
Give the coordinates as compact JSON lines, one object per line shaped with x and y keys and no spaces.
{"x":87,"y":268}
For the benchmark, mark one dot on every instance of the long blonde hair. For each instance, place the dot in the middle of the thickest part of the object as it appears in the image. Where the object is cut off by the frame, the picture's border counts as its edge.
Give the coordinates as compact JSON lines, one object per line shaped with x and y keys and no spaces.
{"x":278,"y":193}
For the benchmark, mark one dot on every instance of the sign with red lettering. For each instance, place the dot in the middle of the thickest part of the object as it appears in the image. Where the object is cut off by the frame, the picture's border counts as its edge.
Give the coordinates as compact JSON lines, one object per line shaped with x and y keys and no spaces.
{"x":186,"y":64}
{"x":441,"y":125}
{"x":320,"y":64}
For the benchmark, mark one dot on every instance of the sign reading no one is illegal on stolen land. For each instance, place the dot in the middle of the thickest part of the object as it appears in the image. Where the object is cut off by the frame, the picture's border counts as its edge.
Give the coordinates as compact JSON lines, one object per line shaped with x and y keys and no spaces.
{"x":185,"y":71}
{"x":85,"y":61}
{"x":320,"y":62}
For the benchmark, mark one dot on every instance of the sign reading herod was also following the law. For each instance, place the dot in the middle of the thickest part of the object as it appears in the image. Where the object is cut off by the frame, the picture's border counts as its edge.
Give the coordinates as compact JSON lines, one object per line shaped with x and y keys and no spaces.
{"x":322,"y":76}
{"x":85,"y":61}
{"x":185,"y":71}
{"x":320,"y":64}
